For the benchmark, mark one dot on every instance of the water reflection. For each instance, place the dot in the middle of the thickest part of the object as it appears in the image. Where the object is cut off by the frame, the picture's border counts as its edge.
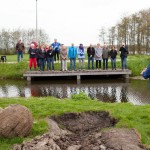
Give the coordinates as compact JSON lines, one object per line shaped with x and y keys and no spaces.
{"x":106,"y":91}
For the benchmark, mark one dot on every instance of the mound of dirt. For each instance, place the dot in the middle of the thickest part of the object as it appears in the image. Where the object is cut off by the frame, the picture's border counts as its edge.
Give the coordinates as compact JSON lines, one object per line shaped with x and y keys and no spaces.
{"x":82,"y":131}
{"x":85,"y":123}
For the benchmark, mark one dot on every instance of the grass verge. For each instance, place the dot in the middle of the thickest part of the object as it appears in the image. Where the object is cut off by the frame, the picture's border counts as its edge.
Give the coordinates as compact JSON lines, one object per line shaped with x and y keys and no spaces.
{"x":129,"y":116}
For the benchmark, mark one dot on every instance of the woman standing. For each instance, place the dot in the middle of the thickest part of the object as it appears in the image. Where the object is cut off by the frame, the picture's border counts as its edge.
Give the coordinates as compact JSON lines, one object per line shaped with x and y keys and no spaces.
{"x":63,"y":57}
{"x":81,"y":56}
{"x":50,"y":58}
{"x":42,"y":57}
{"x":113,"y":54}
{"x":98,"y":56}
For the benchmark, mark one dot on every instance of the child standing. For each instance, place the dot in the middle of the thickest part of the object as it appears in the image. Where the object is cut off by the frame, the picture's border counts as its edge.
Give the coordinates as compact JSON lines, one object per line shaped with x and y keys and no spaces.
{"x":32,"y":53}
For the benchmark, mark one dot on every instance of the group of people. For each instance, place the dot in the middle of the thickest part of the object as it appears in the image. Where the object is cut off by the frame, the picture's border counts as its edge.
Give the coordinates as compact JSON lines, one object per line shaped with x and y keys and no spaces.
{"x":44,"y":56}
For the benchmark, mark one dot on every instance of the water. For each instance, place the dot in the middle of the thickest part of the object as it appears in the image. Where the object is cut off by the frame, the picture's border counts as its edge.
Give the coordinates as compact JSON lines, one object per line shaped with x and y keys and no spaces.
{"x":106,"y":90}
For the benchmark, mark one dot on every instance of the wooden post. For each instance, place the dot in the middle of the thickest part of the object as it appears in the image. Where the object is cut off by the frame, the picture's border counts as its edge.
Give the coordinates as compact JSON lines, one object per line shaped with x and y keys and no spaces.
{"x":78,"y":79}
{"x":28,"y":78}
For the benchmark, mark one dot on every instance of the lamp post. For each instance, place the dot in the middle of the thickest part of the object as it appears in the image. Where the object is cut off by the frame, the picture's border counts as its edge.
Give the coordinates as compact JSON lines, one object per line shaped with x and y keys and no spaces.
{"x":36,"y":23}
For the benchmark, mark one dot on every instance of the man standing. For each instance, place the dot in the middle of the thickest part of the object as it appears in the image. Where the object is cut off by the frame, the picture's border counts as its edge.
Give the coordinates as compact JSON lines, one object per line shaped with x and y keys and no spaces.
{"x":90,"y":53}
{"x":20,"y":50}
{"x":56,"y":47}
{"x":72,"y":53}
{"x":123,"y":55}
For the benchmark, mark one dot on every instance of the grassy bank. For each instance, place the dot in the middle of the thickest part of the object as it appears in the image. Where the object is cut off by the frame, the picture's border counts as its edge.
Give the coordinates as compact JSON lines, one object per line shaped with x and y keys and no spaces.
{"x":129,"y":116}
{"x":136,"y":63}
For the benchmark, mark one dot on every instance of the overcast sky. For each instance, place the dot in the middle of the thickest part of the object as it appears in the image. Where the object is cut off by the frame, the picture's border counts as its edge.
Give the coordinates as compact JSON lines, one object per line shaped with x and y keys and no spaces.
{"x":70,"y":21}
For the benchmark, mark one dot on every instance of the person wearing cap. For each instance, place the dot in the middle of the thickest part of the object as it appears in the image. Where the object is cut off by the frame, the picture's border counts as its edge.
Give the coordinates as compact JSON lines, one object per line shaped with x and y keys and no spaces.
{"x":123,"y":55}
{"x":81,"y":56}
{"x":20,"y":50}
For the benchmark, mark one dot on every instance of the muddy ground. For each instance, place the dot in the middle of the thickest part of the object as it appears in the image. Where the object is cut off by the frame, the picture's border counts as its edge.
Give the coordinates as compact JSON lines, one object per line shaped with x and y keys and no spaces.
{"x":84,"y":131}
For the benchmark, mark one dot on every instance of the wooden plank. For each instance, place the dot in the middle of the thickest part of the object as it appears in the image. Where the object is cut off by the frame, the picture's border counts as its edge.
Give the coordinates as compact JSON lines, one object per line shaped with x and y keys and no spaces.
{"x":76,"y":73}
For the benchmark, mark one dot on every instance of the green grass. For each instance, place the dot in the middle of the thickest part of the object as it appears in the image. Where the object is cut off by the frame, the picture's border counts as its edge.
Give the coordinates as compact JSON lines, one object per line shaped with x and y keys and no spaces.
{"x":129,"y":116}
{"x":136,"y":63}
{"x":12,"y":71}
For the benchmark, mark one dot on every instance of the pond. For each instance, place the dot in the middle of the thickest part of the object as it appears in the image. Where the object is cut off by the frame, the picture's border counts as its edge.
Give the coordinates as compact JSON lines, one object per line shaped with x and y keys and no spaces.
{"x":106,"y":90}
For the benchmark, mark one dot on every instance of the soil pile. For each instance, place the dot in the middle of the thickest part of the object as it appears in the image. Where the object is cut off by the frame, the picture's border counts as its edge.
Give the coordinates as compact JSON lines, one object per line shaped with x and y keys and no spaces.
{"x":82,"y":131}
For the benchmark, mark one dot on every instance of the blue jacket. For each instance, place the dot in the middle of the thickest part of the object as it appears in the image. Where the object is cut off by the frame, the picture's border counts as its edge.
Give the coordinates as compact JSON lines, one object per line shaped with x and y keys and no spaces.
{"x":72,"y":52}
{"x":56,"y":46}
{"x":146,"y":74}
{"x":81,"y":53}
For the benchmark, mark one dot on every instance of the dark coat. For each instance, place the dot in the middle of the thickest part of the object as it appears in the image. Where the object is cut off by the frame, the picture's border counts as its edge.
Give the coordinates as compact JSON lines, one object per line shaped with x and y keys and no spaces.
{"x":124,"y":52}
{"x":113,"y":54}
{"x":20,"y":47}
{"x":41,"y":54}
{"x":32,"y":52}
{"x":90,"y":51}
{"x":50,"y":54}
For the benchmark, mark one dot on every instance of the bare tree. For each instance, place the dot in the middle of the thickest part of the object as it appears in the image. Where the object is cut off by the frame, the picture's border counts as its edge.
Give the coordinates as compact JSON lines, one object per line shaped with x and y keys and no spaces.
{"x":134,"y":31}
{"x":102,"y":35}
{"x":112,"y":35}
{"x":9,"y":38}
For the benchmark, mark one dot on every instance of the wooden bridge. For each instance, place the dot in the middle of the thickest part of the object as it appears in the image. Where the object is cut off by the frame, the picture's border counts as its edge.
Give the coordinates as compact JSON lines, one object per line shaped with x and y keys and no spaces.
{"x":32,"y":74}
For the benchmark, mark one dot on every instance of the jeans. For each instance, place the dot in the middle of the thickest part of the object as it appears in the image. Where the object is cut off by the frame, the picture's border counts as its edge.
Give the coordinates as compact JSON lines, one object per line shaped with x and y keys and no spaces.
{"x":105,"y":63}
{"x":73,"y":61}
{"x":113,"y":63}
{"x":98,"y":64}
{"x":81,"y":63}
{"x":124,"y":62}
{"x":19,"y":55}
{"x":50,"y":62}
{"x":42,"y":63}
{"x":90,"y":59}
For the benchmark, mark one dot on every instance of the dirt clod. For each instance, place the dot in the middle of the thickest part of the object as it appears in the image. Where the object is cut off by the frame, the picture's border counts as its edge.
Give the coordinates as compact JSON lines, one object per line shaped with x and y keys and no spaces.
{"x":83,"y":131}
